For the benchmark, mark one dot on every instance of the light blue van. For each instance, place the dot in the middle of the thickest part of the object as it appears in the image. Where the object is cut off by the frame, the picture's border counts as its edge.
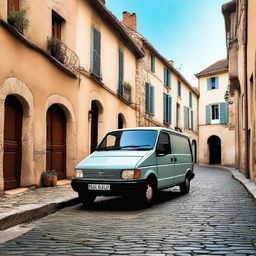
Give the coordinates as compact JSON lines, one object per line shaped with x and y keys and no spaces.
{"x":135,"y":162}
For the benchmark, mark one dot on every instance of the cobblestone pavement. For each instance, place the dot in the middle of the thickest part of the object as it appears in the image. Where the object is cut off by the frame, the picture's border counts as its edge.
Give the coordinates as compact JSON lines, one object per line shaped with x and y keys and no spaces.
{"x":217,"y":218}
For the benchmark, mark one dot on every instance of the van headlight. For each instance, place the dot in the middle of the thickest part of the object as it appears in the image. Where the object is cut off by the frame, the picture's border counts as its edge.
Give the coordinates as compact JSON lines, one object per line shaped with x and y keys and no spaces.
{"x":79,"y":174}
{"x":130,"y":174}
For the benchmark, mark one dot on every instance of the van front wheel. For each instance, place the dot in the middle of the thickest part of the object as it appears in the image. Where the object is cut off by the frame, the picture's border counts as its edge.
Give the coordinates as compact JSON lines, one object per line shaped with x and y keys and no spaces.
{"x":148,"y":194}
{"x":184,"y":187}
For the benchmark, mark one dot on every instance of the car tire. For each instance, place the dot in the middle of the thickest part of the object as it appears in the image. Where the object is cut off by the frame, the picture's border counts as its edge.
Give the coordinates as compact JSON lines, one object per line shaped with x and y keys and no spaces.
{"x":87,"y":199}
{"x":185,"y":187}
{"x":148,"y":195}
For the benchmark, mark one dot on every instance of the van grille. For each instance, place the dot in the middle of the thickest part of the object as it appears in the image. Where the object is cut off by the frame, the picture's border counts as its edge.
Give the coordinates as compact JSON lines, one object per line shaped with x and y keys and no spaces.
{"x":102,"y":174}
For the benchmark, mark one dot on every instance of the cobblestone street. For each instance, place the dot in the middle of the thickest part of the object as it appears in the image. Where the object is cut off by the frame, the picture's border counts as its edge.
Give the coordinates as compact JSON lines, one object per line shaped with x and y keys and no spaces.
{"x":217,"y":218}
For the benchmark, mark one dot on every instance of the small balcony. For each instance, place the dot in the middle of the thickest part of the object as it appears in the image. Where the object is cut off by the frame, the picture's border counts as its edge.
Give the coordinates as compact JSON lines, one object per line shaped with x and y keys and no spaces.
{"x":63,"y":54}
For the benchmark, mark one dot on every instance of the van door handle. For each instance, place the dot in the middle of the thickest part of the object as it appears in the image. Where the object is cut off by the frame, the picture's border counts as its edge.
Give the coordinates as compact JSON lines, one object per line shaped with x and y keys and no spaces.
{"x":175,"y":159}
{"x":171,"y":159}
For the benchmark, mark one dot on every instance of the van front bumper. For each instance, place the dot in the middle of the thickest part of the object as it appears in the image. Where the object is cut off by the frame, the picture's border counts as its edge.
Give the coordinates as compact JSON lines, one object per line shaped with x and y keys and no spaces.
{"x":132,"y":187}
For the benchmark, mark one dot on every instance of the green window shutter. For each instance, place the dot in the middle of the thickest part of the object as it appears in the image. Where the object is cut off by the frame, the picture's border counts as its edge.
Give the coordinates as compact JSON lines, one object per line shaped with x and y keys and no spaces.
{"x":216,"y":82}
{"x":121,"y":72}
{"x":147,"y":97}
{"x":192,"y":120}
{"x":186,"y":118}
{"x":165,"y":106}
{"x":209,"y":84}
{"x":169,"y":84}
{"x":169,"y":109}
{"x":207,"y":114}
{"x":179,"y":88}
{"x":190,"y":100}
{"x":165,"y":76}
{"x":152,"y":64}
{"x":223,"y":113}
{"x":152,"y":99}
{"x":96,"y":49}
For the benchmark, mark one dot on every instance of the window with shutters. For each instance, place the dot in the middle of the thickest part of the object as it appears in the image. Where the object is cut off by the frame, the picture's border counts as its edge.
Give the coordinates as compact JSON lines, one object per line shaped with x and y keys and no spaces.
{"x":56,"y":25}
{"x":150,"y":99}
{"x":167,"y":78}
{"x":179,"y":88}
{"x":120,"y":72}
{"x":152,"y":63}
{"x":213,"y":83}
{"x":190,"y":100}
{"x":167,"y":108}
{"x":96,"y":52}
{"x":13,"y":5}
{"x":186,"y":117}
{"x":215,"y":114}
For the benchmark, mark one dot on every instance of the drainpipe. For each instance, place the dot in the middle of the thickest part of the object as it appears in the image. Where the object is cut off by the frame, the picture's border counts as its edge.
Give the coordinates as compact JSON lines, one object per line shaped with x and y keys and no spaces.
{"x":247,"y":150}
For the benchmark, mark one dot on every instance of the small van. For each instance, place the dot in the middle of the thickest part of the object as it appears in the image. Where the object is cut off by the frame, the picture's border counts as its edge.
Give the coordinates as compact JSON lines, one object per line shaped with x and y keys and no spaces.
{"x":135,"y":162}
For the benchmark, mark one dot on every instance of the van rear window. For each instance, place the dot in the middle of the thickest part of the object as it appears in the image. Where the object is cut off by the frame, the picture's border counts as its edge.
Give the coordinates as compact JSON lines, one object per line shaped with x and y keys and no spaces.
{"x":180,"y":145}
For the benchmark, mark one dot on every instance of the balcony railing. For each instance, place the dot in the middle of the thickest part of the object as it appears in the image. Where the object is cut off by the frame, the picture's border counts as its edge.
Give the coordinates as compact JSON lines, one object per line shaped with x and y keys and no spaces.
{"x":63,"y":54}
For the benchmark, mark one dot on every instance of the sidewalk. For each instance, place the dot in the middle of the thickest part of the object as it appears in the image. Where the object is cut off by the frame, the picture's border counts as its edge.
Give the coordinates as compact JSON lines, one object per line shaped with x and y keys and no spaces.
{"x":25,"y":206}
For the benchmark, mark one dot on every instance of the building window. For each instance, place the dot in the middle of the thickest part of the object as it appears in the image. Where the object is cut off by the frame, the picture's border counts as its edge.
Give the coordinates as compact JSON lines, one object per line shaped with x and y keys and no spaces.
{"x":179,"y":88}
{"x":13,"y":5}
{"x":56,"y":25}
{"x":95,"y":52}
{"x":167,"y":109}
{"x":167,"y":77}
{"x":217,"y":113}
{"x":188,"y":118}
{"x":150,"y":99}
{"x":213,"y":83}
{"x":121,"y":72}
{"x":190,"y":100}
{"x":152,"y":63}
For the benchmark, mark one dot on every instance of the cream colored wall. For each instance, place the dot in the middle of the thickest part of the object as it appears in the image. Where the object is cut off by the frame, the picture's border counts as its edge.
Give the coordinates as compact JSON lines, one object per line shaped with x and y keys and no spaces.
{"x":211,"y":96}
{"x":227,"y":138}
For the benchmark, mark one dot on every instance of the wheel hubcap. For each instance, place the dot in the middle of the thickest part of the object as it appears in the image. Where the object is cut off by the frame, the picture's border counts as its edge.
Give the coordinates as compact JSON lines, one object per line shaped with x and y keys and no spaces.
{"x":149,"y":193}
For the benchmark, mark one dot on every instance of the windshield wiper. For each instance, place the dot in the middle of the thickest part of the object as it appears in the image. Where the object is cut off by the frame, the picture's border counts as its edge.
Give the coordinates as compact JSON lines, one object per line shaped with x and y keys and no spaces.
{"x":135,"y":146}
{"x":108,"y":148}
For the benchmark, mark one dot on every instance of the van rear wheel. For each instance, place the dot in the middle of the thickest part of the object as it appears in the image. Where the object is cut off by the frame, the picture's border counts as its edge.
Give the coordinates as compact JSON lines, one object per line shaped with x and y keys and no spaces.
{"x":185,"y":187}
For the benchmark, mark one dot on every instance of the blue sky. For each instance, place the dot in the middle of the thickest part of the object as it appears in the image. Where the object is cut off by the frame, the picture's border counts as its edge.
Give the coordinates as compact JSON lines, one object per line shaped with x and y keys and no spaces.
{"x":189,"y":32}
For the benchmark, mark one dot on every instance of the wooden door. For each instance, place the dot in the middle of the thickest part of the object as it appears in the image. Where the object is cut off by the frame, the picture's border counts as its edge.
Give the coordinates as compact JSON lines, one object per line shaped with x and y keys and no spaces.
{"x":12,"y":5}
{"x":56,"y":141}
{"x":12,"y":143}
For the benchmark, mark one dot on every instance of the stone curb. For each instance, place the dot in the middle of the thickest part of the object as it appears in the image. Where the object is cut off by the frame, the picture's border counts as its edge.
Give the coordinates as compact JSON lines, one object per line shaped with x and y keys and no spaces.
{"x":248,"y":184}
{"x":33,"y":211}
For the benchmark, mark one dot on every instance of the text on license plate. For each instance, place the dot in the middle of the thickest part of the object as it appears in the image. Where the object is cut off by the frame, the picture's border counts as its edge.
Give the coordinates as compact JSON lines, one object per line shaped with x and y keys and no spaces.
{"x":98,"y":186}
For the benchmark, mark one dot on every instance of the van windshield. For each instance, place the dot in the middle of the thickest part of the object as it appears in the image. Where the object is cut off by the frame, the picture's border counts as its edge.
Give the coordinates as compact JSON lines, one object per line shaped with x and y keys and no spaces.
{"x":129,"y":140}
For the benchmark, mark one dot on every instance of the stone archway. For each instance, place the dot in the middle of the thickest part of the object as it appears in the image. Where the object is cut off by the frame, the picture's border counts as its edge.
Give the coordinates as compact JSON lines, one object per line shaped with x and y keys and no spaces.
{"x":214,"y":144}
{"x":71,"y":132}
{"x":19,"y":90}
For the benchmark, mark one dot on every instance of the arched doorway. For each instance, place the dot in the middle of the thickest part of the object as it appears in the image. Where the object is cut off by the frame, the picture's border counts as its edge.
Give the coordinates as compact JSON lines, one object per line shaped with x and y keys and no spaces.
{"x":121,"y":121}
{"x":12,"y":142}
{"x":94,"y":125}
{"x":214,"y":143}
{"x":56,"y":141}
{"x":194,"y":151}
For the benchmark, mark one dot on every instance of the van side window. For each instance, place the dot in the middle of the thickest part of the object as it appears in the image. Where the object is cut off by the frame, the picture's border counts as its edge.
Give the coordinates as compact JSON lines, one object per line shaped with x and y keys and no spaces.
{"x":180,"y":145}
{"x":164,"y":143}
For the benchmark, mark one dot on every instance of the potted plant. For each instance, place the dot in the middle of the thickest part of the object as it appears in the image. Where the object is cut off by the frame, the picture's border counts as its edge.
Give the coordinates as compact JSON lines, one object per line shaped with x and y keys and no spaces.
{"x":55,"y":48}
{"x":127,"y":91}
{"x":18,"y":20}
{"x":49,"y":178}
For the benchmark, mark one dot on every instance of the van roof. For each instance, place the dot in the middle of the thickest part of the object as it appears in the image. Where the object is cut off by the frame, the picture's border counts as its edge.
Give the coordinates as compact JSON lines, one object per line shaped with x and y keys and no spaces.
{"x":152,"y":129}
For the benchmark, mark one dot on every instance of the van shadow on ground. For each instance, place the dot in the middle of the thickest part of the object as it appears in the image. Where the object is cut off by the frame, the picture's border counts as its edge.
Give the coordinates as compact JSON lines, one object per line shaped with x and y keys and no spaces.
{"x":129,"y":203}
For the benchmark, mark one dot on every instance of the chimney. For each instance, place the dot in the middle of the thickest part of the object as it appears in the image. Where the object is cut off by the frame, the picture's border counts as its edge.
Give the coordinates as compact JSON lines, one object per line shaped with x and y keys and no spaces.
{"x":129,"y":19}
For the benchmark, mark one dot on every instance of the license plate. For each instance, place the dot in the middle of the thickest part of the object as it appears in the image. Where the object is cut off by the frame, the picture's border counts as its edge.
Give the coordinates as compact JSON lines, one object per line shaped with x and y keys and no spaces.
{"x":99,"y":187}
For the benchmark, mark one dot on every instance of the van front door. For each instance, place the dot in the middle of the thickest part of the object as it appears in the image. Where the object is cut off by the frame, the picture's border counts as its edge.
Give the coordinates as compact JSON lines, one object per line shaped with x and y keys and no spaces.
{"x":163,"y":161}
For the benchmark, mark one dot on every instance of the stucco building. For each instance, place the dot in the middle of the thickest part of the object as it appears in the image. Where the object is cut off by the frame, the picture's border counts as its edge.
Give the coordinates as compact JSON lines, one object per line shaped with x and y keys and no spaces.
{"x":169,"y":98}
{"x":240,"y":27}
{"x":65,"y":85}
{"x":216,"y":116}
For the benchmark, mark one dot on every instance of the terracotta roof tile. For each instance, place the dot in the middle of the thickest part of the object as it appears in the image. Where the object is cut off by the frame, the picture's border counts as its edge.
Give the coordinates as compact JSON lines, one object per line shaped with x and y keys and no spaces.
{"x":218,"y":67}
